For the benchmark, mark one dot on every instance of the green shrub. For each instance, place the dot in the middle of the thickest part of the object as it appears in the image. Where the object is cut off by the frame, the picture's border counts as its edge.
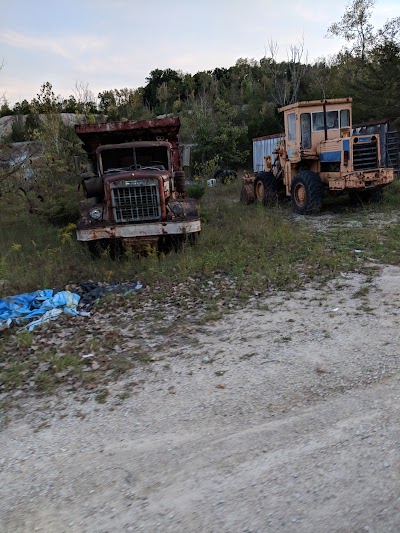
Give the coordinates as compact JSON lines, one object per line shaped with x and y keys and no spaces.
{"x":195,"y":190}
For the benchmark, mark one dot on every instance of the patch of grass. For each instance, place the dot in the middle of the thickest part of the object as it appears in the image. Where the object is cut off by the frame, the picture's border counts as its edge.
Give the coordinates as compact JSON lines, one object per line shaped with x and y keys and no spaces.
{"x":366,"y":309}
{"x":210,"y":316}
{"x":121,"y":364}
{"x":24,"y":339}
{"x":124,"y":395}
{"x":261,"y":247}
{"x":13,"y":375}
{"x":362,"y":292}
{"x":45,"y":383}
{"x":5,"y":404}
{"x":263,"y":307}
{"x":102,"y":395}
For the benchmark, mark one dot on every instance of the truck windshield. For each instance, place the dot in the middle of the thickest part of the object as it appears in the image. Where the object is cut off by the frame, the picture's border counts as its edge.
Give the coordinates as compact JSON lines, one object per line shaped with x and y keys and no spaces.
{"x":122,"y":159}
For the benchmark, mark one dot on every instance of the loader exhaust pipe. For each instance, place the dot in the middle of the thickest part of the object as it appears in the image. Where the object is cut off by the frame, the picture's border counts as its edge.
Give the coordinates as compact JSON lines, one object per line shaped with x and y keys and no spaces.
{"x":325,"y":126}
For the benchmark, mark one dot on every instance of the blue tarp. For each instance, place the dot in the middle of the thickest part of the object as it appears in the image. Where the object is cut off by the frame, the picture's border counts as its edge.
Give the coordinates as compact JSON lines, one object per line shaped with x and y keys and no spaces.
{"x":37,"y":304}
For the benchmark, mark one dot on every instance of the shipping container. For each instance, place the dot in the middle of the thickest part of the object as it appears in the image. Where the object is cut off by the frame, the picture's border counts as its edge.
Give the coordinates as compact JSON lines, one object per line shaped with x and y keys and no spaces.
{"x":264,"y":146}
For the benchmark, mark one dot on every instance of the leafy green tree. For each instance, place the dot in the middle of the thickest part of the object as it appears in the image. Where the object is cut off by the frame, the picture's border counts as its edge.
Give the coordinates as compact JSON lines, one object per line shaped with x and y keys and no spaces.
{"x":22,"y":108}
{"x":107,"y":102}
{"x":355,"y":27}
{"x":5,"y":109}
{"x":211,"y":128}
{"x":155,"y":80}
{"x":369,"y":69}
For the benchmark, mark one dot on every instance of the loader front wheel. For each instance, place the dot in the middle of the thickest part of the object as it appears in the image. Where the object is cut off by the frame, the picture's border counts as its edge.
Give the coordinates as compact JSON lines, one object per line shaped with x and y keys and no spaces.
{"x":306,"y":192}
{"x":265,"y":189}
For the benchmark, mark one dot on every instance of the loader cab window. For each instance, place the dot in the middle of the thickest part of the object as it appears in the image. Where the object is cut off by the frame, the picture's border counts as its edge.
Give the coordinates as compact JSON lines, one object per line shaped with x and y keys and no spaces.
{"x":332,"y":120}
{"x":291,"y":122}
{"x":345,"y":118}
{"x":305,"y":126}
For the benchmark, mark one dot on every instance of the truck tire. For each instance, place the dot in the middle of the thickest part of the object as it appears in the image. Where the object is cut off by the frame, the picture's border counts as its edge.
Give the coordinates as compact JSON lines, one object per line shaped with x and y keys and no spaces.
{"x":224,"y":176}
{"x":306,"y":192}
{"x":265,"y":189}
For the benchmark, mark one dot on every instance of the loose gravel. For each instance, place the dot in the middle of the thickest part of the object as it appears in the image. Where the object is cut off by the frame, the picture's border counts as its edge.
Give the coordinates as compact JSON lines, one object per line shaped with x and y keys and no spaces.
{"x":278,"y":416}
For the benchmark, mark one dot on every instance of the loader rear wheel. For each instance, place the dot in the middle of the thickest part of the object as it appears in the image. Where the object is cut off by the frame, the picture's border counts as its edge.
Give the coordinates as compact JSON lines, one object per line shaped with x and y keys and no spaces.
{"x":306,"y":192}
{"x":265,"y":189}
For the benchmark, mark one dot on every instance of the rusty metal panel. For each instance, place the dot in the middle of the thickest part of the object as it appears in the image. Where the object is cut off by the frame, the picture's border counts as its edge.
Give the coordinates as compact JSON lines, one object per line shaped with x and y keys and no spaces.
{"x":94,"y":135}
{"x":264,"y":146}
{"x":139,"y":230}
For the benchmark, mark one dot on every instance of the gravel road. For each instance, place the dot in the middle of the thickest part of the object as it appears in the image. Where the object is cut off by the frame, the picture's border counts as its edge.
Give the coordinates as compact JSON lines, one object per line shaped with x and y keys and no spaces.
{"x":281,"y":416}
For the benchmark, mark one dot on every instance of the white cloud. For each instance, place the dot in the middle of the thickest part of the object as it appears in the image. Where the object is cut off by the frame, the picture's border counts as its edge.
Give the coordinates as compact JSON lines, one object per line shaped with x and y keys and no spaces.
{"x":67,"y":47}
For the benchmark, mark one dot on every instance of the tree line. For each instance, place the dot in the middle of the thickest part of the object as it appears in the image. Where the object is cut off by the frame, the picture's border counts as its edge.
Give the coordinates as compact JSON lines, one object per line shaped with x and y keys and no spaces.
{"x":222,"y":109}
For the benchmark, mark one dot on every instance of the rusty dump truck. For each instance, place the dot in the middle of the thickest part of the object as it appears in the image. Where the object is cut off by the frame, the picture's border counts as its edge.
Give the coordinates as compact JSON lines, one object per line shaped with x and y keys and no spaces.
{"x":134,"y":186}
{"x":316,"y":155}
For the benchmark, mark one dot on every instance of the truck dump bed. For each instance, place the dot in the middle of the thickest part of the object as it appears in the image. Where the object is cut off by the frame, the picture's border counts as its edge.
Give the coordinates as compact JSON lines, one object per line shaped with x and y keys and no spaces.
{"x":94,"y":135}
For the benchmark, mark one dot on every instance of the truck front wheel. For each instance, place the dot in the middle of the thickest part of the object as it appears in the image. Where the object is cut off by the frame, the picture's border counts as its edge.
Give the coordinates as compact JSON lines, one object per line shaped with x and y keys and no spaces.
{"x":306,"y":192}
{"x":265,"y":189}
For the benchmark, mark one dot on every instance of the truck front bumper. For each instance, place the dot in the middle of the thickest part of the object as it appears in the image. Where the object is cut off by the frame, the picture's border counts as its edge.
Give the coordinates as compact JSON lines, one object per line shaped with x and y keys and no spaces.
{"x":138,"y":231}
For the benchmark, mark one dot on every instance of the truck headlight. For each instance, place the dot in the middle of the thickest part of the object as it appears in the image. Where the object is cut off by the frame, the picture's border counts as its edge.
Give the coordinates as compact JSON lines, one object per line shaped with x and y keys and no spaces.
{"x":96,"y":213}
{"x":178,"y":210}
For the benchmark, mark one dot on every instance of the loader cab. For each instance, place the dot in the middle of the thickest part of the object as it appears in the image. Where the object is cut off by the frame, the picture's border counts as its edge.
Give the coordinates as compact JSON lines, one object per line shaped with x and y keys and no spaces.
{"x":308,"y":124}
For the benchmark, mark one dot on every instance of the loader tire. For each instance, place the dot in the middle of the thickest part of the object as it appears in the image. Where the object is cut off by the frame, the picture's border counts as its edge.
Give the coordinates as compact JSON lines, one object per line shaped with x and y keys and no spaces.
{"x":306,"y":192}
{"x":265,"y":189}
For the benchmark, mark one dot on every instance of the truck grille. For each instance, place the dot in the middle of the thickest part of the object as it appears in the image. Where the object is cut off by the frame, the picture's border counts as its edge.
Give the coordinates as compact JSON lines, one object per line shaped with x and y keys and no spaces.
{"x":365,"y":155}
{"x":135,"y":200}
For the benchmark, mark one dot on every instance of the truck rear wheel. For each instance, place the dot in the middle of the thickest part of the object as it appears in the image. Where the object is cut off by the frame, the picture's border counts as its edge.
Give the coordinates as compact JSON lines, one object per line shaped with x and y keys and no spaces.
{"x":306,"y":192}
{"x":265,"y":189}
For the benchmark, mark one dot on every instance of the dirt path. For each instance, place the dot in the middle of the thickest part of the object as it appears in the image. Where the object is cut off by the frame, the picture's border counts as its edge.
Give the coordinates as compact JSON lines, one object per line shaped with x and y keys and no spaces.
{"x":282,"y":417}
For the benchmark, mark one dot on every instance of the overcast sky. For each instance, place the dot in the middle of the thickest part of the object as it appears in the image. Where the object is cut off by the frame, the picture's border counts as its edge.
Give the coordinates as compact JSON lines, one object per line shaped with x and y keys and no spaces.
{"x":116,"y":43}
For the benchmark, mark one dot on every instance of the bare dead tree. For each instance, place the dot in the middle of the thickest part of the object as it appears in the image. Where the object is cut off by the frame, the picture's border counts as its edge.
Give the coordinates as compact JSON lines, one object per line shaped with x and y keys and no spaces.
{"x":287,"y":75}
{"x":84,"y":97}
{"x":3,"y":96}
